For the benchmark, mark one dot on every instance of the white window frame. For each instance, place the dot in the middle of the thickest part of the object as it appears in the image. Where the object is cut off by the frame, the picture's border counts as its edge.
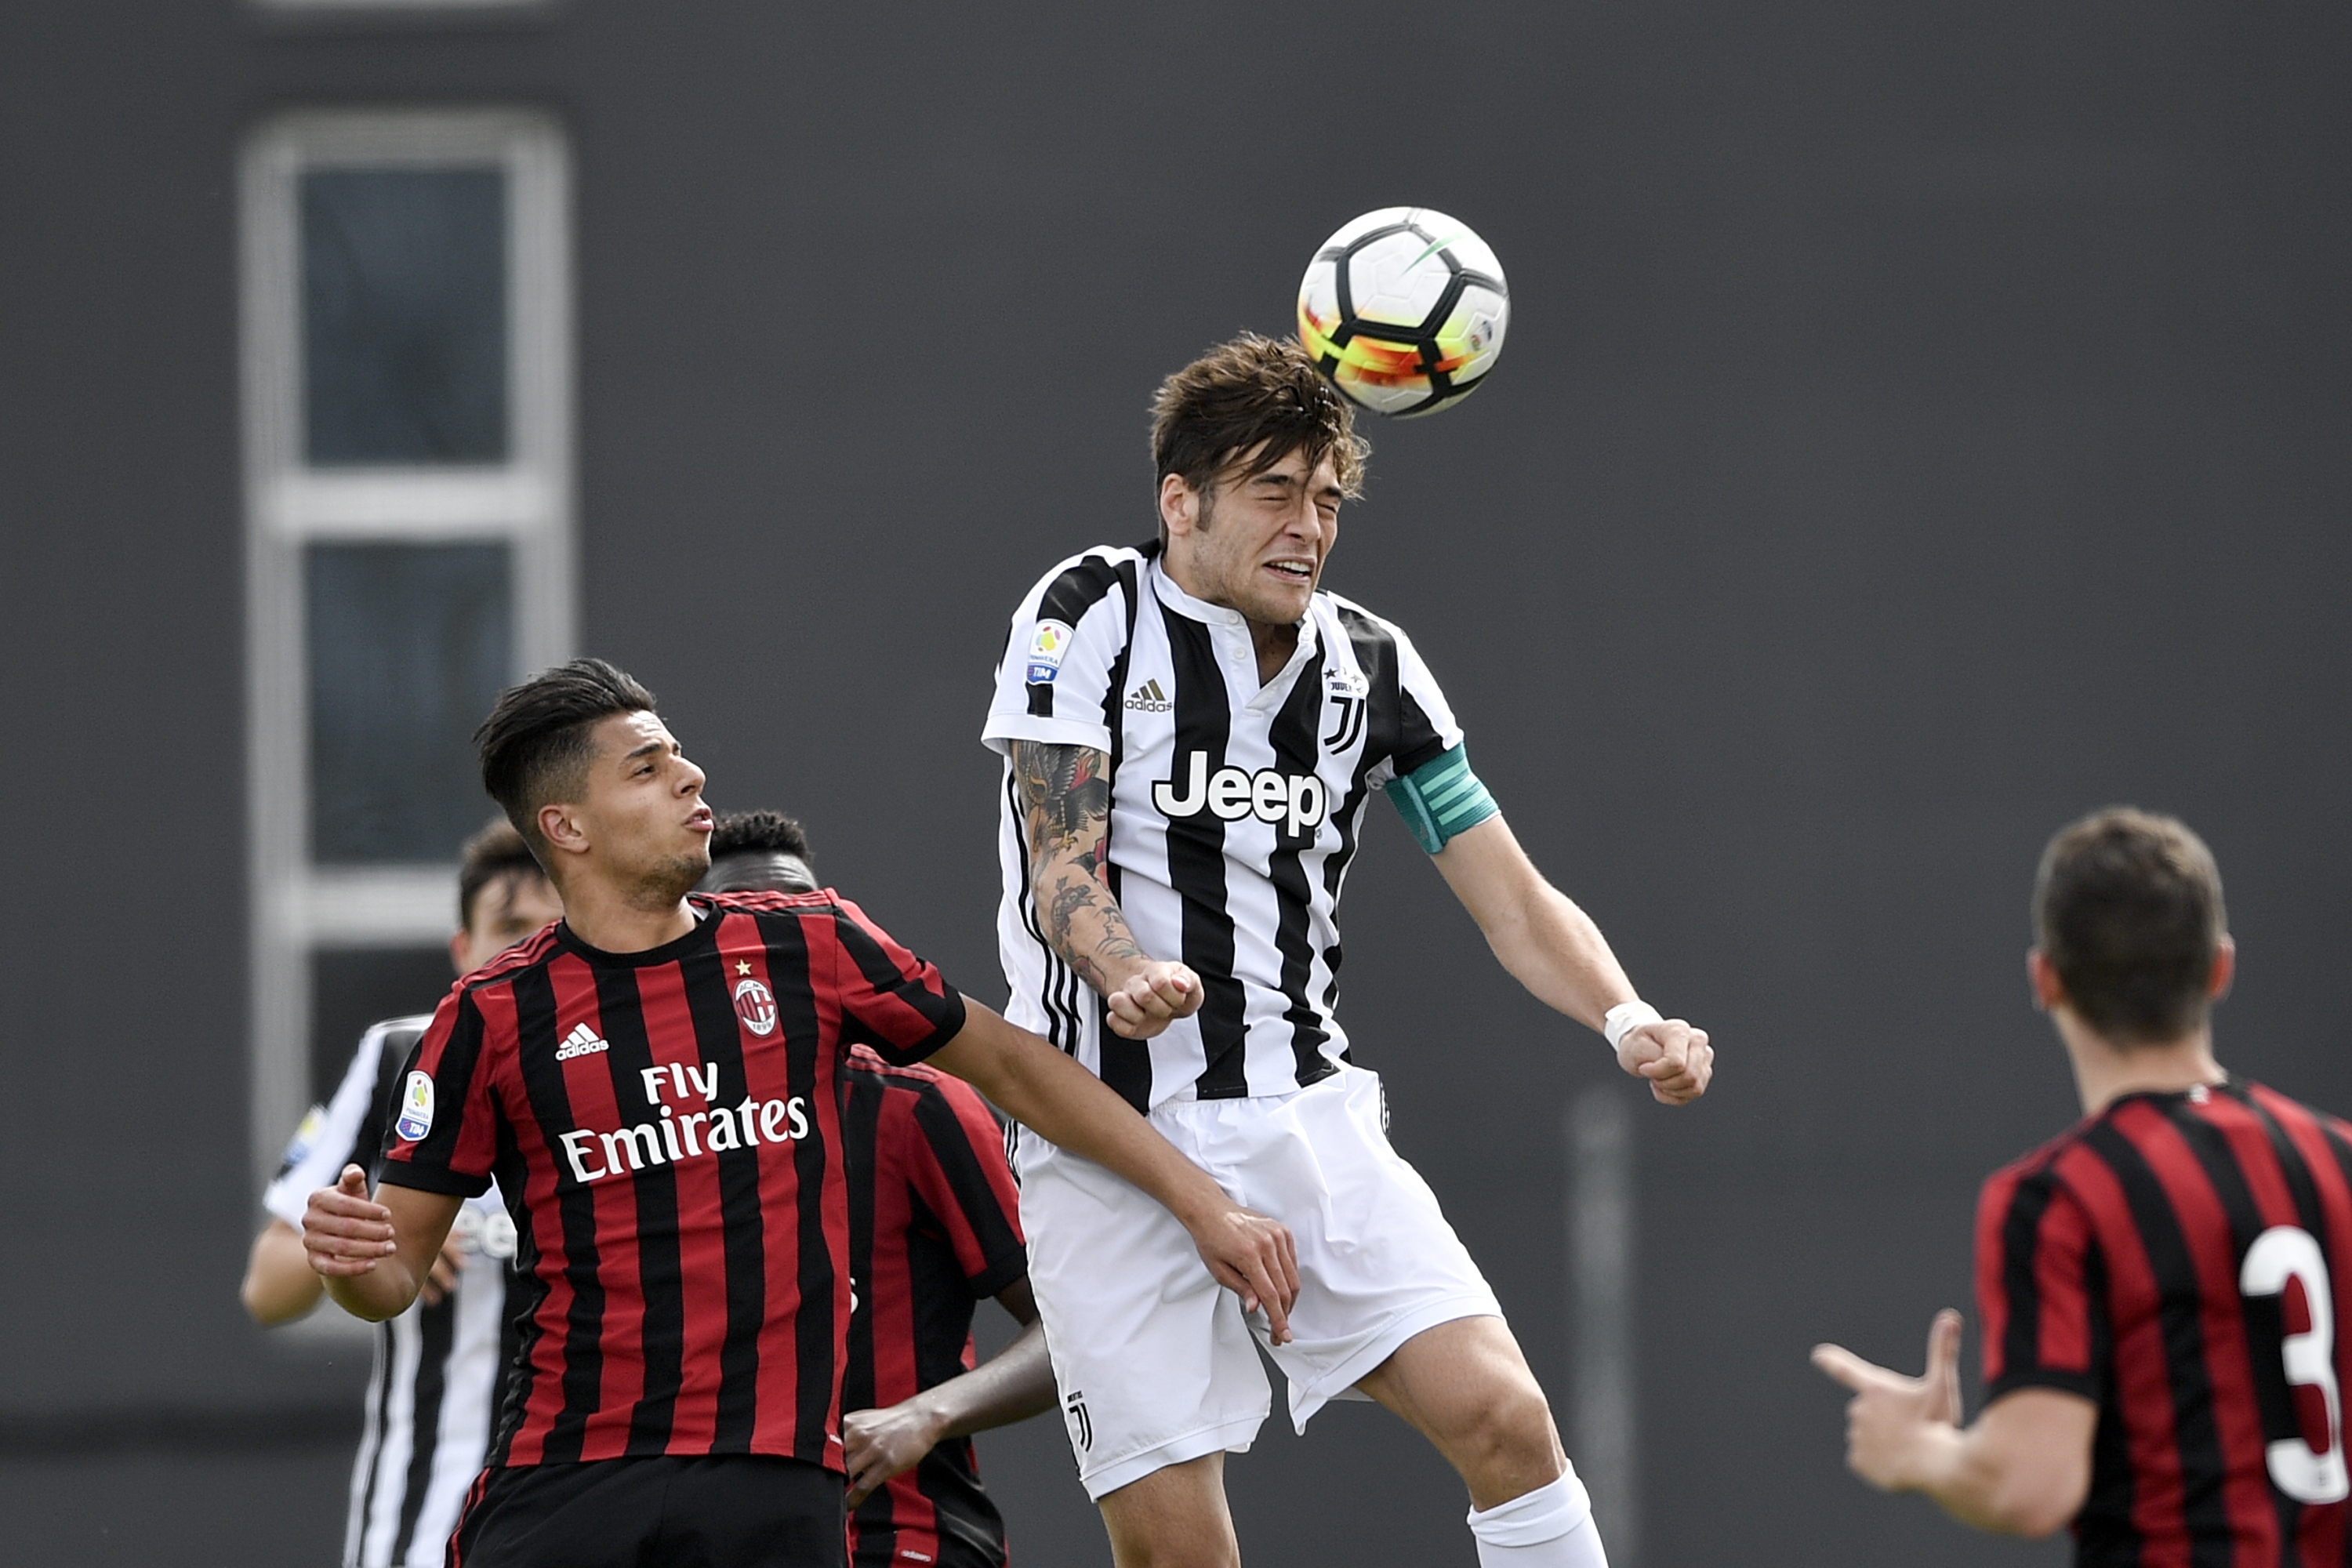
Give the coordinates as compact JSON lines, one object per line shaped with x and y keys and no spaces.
{"x":362,"y":6}
{"x":527,"y":501}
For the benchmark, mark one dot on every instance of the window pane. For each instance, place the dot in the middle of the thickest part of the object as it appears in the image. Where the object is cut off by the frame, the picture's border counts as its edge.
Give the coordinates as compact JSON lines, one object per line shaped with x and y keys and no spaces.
{"x":405,"y":315}
{"x":353,"y":988}
{"x":409,"y":645}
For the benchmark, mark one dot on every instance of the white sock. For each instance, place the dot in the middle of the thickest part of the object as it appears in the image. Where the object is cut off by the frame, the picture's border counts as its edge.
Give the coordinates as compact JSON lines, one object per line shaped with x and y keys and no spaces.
{"x":1551,"y":1527}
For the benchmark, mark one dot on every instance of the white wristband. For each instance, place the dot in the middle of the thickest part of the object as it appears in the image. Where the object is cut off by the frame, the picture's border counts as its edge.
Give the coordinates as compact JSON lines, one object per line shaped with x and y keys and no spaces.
{"x":1625,"y":1017}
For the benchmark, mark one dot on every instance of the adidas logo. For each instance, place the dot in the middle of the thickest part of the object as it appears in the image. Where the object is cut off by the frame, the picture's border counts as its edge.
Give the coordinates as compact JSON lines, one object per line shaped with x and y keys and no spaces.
{"x":581,"y":1041}
{"x":1148,"y":698}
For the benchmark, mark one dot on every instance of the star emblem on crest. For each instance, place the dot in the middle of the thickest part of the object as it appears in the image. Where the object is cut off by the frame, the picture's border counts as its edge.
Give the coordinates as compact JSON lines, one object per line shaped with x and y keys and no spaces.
{"x":742,"y":966}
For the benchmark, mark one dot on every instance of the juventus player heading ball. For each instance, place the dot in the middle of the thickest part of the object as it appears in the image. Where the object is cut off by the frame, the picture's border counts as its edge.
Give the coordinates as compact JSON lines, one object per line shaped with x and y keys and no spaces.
{"x":1192,"y":732}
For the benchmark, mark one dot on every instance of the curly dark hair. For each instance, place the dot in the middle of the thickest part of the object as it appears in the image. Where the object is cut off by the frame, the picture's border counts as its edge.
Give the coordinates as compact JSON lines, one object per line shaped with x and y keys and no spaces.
{"x":758,"y":833}
{"x":1256,"y":399}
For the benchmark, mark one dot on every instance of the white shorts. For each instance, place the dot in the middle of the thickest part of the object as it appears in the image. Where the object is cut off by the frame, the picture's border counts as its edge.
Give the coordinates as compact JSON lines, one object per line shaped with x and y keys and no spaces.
{"x":1152,"y":1357}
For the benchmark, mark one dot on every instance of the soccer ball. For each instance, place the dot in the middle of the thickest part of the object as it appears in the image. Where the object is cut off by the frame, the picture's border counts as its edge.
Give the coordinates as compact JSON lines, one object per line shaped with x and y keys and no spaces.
{"x":1404,"y":310}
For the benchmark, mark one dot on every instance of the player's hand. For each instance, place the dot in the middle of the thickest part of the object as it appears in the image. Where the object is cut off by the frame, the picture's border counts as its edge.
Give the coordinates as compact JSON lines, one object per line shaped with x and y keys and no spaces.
{"x":1159,"y":993}
{"x":1672,"y":1055}
{"x":344,"y":1232}
{"x":447,"y":1267}
{"x":1893,"y":1421}
{"x":1255,"y":1259}
{"x":878,"y":1444}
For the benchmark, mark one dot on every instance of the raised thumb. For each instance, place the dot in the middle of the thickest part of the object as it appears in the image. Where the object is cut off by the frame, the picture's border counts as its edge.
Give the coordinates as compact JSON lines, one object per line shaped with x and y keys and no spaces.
{"x":1944,"y":1343}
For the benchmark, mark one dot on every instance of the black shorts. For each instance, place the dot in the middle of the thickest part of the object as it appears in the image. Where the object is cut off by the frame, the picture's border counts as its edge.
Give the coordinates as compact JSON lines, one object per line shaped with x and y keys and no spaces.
{"x":722,"y":1510}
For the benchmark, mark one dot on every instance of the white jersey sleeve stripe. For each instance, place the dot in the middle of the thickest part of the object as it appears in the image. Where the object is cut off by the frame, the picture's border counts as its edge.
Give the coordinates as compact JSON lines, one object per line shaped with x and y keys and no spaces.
{"x":1054,"y":684}
{"x":323,"y":1149}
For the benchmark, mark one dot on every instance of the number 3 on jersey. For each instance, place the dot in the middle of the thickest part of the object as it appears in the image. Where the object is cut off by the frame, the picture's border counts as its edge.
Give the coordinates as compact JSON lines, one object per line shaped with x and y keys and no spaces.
{"x":2287,"y":1252}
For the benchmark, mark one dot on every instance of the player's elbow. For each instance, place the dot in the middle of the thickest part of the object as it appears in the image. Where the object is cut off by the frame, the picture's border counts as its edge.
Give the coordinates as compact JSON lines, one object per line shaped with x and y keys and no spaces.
{"x":2037,"y":1502}
{"x":368,"y":1308}
{"x":257,"y":1302}
{"x":278,"y":1286}
{"x":2037,"y":1520}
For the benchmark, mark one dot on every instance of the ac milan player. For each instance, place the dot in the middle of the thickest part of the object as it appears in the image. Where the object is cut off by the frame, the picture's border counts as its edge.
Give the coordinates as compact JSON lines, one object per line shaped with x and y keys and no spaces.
{"x":654,"y":1083}
{"x":2162,"y":1286}
{"x":934,"y":1225}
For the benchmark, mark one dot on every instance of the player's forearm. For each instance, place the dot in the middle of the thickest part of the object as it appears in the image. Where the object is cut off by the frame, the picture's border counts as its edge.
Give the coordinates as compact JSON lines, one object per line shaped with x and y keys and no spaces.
{"x":384,"y":1292}
{"x":1064,"y":1103}
{"x":1978,"y":1486}
{"x":375,"y":1254}
{"x":1553,"y":949}
{"x":1547,"y":943}
{"x":1012,"y":1385}
{"x":1068,"y":1106}
{"x":279,"y":1284}
{"x":1066,"y":812}
{"x":1084,"y":924}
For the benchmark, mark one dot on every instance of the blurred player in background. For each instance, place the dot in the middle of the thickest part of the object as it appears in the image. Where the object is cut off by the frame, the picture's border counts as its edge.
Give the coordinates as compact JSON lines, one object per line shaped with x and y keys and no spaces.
{"x":934,"y":1226}
{"x":441,"y":1366}
{"x":1191,"y":733}
{"x":654,"y":1084}
{"x":2163,"y":1286}
{"x":759,"y":852}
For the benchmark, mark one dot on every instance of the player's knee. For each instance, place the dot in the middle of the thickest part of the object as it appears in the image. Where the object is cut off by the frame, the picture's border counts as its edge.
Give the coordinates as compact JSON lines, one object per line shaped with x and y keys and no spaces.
{"x":1195,"y":1544}
{"x":1513,"y":1433}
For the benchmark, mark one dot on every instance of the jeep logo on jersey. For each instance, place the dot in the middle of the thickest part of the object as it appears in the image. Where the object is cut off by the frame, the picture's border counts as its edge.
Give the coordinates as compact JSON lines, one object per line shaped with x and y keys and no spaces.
{"x":416,"y":1108}
{"x":1294,"y":800}
{"x":756,"y":1006}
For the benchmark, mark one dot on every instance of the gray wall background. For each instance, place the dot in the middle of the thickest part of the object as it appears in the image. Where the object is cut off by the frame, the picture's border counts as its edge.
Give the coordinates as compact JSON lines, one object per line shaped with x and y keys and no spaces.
{"x":1919,"y":426}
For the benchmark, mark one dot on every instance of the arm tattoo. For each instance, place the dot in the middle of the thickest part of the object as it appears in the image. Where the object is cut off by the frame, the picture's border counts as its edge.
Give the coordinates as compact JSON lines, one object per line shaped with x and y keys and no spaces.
{"x":1066,"y":801}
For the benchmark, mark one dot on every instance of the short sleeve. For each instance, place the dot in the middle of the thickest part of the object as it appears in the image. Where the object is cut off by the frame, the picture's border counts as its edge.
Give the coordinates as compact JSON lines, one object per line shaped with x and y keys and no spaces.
{"x":889,"y":999}
{"x":1052,"y":684}
{"x":443,"y":1133}
{"x":1425,"y":724}
{"x":2038,"y":1294}
{"x":1408,"y":723}
{"x":346,"y":1130}
{"x":958,"y":1167}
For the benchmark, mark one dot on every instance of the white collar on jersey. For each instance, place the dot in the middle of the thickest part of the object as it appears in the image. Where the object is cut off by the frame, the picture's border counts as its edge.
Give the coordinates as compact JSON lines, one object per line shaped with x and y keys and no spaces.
{"x":1242,"y":650}
{"x":1183,"y":604}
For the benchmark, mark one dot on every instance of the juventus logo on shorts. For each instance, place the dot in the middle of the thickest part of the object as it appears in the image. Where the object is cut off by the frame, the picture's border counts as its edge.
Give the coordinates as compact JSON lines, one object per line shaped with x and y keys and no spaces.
{"x":1082,"y":1427}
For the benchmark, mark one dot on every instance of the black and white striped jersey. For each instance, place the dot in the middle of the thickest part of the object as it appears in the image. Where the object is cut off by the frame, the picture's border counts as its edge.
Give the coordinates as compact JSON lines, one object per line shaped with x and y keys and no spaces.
{"x":1235,"y":811}
{"x":440,"y":1370}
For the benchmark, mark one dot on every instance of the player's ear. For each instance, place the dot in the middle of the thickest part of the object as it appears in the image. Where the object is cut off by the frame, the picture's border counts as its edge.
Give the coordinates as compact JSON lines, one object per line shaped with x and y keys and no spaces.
{"x":2225,"y":970}
{"x":2043,"y":976}
{"x":560,"y":825}
{"x":1180,"y":505}
{"x":459,"y":945}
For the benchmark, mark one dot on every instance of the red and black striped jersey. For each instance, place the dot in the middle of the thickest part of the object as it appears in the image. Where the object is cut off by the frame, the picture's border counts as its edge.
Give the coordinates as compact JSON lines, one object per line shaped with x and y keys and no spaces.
{"x":934,"y":1226}
{"x":2185,"y":1261}
{"x":666,"y":1127}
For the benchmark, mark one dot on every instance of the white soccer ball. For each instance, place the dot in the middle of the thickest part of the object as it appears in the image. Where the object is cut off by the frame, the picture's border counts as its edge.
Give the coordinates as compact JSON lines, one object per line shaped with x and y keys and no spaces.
{"x":1404,"y":310}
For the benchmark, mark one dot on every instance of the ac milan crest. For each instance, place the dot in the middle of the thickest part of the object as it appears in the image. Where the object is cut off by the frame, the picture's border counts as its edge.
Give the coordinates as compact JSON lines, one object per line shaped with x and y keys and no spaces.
{"x":756,"y":1006}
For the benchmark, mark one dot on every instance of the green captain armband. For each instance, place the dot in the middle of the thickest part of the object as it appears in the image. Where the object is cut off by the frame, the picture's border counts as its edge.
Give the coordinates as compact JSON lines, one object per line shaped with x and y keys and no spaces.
{"x":1442,"y":799}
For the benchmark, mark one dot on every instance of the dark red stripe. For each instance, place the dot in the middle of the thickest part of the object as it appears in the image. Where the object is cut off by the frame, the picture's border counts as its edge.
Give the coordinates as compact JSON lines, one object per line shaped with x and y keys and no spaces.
{"x":2142,"y":1389}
